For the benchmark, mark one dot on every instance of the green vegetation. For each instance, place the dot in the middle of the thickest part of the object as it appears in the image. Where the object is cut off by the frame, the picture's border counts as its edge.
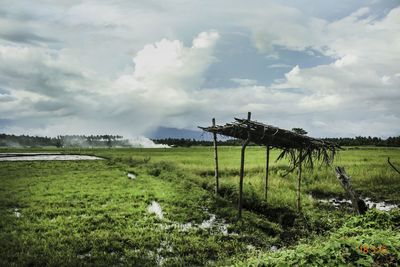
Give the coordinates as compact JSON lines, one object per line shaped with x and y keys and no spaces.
{"x":373,"y":239}
{"x":356,"y":141}
{"x":106,"y":140}
{"x":91,"y":213}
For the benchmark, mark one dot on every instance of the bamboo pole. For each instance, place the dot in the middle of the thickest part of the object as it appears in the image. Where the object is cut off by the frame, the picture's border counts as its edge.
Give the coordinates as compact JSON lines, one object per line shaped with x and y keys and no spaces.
{"x":215,"y":160}
{"x":242,"y":154}
{"x":299,"y":182}
{"x":266,"y":172}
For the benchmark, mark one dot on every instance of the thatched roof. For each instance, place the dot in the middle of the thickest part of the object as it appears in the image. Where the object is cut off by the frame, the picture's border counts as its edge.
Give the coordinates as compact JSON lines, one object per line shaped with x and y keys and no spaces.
{"x":289,"y":141}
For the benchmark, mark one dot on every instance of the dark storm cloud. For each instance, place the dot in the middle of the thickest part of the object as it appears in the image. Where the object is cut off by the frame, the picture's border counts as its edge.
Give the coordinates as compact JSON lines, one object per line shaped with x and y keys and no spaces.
{"x":4,"y":91}
{"x":26,"y":38}
{"x":39,"y":77}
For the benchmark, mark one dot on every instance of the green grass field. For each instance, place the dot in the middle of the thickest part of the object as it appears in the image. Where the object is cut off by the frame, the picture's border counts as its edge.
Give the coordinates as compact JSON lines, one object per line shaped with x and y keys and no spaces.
{"x":73,"y":213}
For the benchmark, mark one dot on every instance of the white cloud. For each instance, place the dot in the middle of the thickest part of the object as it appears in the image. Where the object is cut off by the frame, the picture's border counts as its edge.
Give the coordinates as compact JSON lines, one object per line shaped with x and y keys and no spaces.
{"x":125,"y":67}
{"x":169,"y":63}
{"x":168,"y":92}
{"x":166,"y":73}
{"x":344,"y":61}
{"x":386,"y":80}
{"x":320,"y":102}
{"x":360,"y":82}
{"x":244,"y":82}
{"x":274,"y":66}
{"x":205,"y":39}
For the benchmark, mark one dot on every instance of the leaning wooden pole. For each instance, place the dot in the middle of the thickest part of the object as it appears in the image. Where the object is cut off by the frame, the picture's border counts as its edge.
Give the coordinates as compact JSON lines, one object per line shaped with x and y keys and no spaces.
{"x":242,"y":154}
{"x":298,"y":203}
{"x":394,"y":168}
{"x":359,"y":205}
{"x":216,"y":174}
{"x":266,"y":172}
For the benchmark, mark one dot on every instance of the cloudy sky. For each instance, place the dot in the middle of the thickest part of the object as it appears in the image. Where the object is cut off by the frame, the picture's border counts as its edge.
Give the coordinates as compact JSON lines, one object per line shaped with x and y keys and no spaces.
{"x":128,"y":67}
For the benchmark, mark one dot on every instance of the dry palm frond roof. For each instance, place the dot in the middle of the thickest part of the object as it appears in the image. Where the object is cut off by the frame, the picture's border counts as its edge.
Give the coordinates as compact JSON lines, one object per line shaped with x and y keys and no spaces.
{"x":289,"y":141}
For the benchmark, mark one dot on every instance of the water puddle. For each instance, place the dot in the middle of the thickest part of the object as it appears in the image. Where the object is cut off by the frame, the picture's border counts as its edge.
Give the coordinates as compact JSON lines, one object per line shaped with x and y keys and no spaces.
{"x":338,"y":202}
{"x":43,"y":157}
{"x":18,"y":154}
{"x":131,"y":176}
{"x":164,"y":247}
{"x":379,"y":205}
{"x":208,"y":223}
{"x":155,"y":208}
{"x":183,"y":226}
{"x":83,"y":256}
{"x":213,"y":223}
{"x":17,"y":213}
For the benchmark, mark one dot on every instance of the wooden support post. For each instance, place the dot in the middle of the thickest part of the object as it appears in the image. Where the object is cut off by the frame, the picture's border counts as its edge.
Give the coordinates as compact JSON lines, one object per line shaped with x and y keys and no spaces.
{"x":215,"y":160}
{"x":240,"y":204}
{"x":298,"y":203}
{"x":248,"y":116}
{"x":266,"y":172}
{"x":242,"y":154}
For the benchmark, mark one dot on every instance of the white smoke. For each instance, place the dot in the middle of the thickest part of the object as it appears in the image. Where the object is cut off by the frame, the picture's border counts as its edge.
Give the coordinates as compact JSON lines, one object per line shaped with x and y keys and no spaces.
{"x":144,"y":142}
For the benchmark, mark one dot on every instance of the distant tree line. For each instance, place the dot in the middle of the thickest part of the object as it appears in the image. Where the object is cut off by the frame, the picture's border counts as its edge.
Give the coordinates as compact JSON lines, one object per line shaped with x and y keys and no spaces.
{"x":10,"y":140}
{"x":342,"y":141}
{"x":366,"y":141}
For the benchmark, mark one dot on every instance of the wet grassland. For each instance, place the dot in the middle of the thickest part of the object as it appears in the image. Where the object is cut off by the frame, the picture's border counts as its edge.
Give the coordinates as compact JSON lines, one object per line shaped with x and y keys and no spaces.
{"x":150,"y":207}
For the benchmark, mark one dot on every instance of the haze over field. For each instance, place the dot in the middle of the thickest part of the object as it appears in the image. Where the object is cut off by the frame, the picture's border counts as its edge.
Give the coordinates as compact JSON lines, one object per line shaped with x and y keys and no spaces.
{"x":129,"y":67}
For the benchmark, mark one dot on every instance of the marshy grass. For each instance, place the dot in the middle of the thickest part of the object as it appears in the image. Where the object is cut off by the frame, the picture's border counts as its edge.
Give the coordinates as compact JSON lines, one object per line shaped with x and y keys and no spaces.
{"x":90,"y":213}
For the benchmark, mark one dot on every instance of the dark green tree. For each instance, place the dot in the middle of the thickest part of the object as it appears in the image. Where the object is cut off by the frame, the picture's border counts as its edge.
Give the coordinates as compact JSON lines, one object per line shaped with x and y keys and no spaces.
{"x":300,"y":131}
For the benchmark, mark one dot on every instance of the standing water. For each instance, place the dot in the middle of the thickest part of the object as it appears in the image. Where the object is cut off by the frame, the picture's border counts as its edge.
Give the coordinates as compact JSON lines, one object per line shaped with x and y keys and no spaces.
{"x":155,"y":208}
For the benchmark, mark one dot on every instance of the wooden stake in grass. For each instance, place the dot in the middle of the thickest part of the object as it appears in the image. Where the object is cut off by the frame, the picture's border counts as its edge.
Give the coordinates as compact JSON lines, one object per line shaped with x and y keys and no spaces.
{"x":242,"y":154}
{"x":299,"y":182}
{"x":215,"y":160}
{"x":266,"y":172}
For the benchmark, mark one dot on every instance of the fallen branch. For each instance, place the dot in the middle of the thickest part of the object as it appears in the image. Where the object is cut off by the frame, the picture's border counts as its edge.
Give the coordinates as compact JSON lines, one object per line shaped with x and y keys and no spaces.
{"x":393,"y":166}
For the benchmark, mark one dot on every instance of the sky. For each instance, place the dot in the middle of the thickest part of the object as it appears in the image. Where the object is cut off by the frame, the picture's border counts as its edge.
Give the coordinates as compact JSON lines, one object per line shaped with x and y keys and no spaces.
{"x":129,"y":67}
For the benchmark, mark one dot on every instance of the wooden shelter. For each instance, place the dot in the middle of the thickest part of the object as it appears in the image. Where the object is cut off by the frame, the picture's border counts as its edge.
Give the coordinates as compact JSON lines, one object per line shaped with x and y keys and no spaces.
{"x":299,"y":148}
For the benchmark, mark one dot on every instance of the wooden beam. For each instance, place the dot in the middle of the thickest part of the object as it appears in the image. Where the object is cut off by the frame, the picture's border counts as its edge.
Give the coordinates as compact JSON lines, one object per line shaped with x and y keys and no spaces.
{"x":242,"y":155}
{"x":298,"y":203}
{"x":216,"y":174}
{"x":266,"y":172}
{"x":264,"y":134}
